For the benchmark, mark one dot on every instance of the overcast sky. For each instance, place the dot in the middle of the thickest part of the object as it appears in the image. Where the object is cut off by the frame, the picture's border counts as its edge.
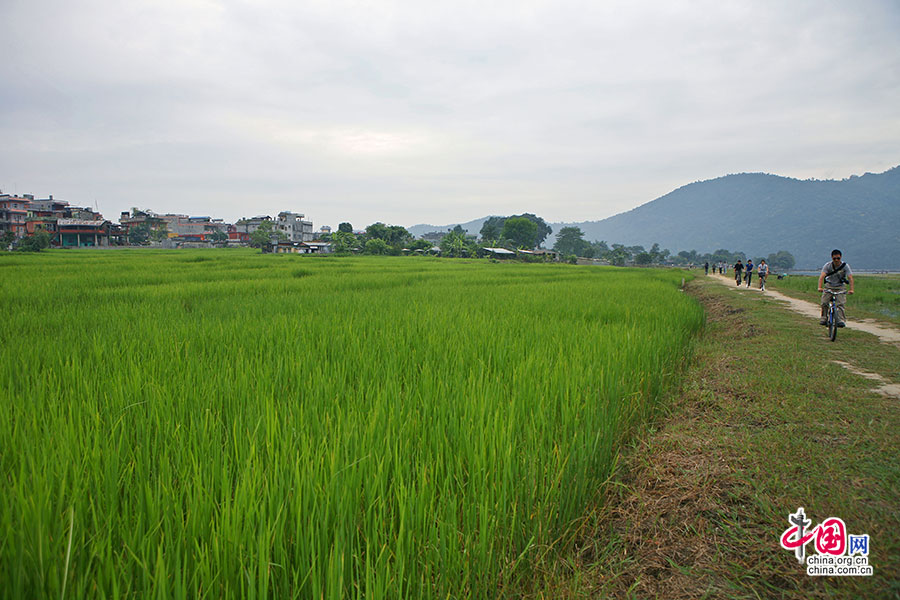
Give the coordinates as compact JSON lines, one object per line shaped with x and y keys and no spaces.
{"x":436,"y":112}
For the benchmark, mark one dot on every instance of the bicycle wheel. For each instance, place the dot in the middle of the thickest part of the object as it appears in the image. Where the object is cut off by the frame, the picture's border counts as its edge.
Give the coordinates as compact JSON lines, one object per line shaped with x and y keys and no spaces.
{"x":832,"y":324}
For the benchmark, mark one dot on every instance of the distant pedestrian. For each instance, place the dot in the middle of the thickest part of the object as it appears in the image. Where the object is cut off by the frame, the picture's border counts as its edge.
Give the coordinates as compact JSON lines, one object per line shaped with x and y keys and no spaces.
{"x":748,"y":271}
{"x":763,"y":271}
{"x":738,"y":271}
{"x":706,"y":268}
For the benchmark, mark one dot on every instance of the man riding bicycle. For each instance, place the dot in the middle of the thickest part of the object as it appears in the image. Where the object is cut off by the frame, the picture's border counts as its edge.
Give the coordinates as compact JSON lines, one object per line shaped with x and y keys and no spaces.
{"x":762,"y":271}
{"x":834,"y":275}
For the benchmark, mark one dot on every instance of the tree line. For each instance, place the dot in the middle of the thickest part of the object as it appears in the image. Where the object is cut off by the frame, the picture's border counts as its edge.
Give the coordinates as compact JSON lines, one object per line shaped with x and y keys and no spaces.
{"x":570,"y":243}
{"x":516,"y":232}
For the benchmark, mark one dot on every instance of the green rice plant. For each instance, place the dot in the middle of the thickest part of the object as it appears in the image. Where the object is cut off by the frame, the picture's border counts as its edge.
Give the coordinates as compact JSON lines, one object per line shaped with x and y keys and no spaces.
{"x":232,"y":424}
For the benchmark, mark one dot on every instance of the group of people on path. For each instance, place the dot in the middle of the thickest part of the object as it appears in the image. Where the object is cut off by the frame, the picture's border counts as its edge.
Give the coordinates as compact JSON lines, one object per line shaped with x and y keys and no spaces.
{"x":719,"y":267}
{"x":835,"y":274}
{"x":744,"y":273}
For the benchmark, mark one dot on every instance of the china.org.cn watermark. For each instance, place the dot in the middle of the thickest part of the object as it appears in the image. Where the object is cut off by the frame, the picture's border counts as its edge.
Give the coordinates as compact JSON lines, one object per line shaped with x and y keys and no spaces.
{"x":837,"y":552}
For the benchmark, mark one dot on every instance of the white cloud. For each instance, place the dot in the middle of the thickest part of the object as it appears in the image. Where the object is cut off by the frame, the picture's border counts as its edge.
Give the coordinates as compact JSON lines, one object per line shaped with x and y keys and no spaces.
{"x":436,"y":111}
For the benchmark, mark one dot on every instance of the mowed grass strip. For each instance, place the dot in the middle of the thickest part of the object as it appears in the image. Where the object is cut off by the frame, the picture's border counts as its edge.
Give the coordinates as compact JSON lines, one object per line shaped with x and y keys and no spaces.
{"x":231,"y":424}
{"x":766,"y":423}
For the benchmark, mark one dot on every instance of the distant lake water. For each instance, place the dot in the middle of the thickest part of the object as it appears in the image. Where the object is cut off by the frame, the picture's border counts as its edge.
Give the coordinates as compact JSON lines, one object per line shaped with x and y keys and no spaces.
{"x":855,"y":272}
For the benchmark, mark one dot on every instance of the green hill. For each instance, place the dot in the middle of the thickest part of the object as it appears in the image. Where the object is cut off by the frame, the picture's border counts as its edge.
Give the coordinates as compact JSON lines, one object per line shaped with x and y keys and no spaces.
{"x":759,"y":213}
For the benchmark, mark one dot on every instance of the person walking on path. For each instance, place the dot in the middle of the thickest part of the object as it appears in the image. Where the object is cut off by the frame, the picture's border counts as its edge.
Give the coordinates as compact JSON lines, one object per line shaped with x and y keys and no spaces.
{"x":762,"y":271}
{"x":831,"y":280}
{"x":748,"y":270}
{"x":738,"y":271}
{"x":706,"y":268}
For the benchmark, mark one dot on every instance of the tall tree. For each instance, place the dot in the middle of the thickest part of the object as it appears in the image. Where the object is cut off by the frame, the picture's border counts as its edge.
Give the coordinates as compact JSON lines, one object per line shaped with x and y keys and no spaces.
{"x":378,"y":231}
{"x":454,"y":244}
{"x":139,"y":234}
{"x":492,"y":228}
{"x":618,"y":255}
{"x":376,"y":246}
{"x":345,"y":228}
{"x":265,"y":234}
{"x":160,"y":231}
{"x":570,"y":240}
{"x":521,"y":231}
{"x":343,"y":241}
{"x":398,"y":236}
{"x":782,"y":260}
{"x":543,"y":230}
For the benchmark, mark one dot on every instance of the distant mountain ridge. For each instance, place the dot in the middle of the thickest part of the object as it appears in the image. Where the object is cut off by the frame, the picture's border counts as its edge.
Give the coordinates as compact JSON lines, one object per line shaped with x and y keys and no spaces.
{"x":473,"y":227}
{"x":759,"y":213}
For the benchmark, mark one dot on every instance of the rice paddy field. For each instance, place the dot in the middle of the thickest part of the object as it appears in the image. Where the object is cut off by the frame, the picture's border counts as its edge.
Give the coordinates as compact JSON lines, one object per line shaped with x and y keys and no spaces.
{"x":875,"y":296}
{"x":223,"y":423}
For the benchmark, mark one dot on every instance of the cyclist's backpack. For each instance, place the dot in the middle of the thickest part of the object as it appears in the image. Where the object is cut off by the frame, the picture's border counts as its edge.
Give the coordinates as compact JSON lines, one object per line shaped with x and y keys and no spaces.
{"x":839,"y":270}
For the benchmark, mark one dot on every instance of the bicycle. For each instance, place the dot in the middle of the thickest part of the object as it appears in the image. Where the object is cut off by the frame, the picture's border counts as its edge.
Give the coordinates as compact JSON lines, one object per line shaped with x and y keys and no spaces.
{"x":832,"y":313}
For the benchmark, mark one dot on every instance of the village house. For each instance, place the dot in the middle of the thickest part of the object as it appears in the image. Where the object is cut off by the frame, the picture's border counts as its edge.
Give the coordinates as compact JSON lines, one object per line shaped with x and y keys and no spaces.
{"x":68,"y":226}
{"x":73,"y":233}
{"x":13,"y":214}
{"x":300,"y":248}
{"x":294,"y":227}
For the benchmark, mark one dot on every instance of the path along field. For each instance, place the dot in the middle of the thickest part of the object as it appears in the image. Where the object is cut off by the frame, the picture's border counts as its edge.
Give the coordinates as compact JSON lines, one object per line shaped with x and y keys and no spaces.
{"x":772,"y":416}
{"x":226,"y":423}
{"x":810,"y":307}
{"x":877,"y":297}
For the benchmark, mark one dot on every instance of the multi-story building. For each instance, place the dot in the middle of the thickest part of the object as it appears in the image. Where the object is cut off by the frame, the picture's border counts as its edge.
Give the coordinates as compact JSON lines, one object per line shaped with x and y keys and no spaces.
{"x":14,"y":213}
{"x":244,"y":227}
{"x":294,"y":226}
{"x":195,"y":228}
{"x":127,"y":219}
{"x":48,"y":205}
{"x":68,"y":226}
{"x":44,"y":214}
{"x":130,"y":220}
{"x":236,"y":236}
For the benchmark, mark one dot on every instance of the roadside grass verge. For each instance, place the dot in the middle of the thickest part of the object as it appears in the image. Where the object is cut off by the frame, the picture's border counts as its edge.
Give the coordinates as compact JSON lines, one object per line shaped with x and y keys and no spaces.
{"x":766,"y":423}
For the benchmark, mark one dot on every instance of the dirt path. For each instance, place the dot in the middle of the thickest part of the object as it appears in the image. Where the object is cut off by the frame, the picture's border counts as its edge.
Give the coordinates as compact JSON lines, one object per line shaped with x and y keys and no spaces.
{"x":891,"y":390}
{"x":883,"y":332}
